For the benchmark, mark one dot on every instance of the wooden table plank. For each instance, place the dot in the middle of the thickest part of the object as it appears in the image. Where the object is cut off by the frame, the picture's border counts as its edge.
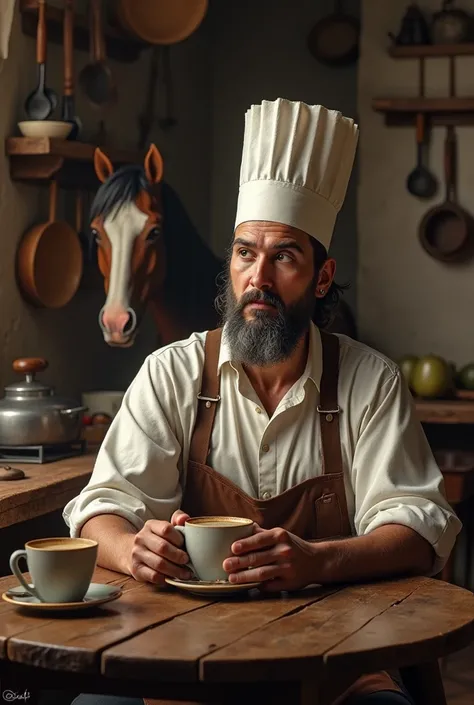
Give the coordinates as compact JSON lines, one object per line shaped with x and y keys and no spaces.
{"x":172,"y":651}
{"x":75,"y":643}
{"x":395,"y":637}
{"x":14,"y":622}
{"x":44,"y":489}
{"x":293,"y":646}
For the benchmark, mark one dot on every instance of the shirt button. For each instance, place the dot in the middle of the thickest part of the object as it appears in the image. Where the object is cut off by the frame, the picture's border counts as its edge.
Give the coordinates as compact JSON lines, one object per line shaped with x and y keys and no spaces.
{"x":265,"y":448}
{"x":258,"y":410}
{"x":266,"y":495}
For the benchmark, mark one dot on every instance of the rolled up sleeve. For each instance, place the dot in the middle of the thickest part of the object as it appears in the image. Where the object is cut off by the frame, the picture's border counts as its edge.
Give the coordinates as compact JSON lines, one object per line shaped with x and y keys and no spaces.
{"x":137,"y":471}
{"x":395,"y":477}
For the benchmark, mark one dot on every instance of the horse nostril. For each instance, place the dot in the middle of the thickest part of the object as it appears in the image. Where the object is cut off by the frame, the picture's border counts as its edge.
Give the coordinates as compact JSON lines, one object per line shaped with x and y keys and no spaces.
{"x":131,"y":324}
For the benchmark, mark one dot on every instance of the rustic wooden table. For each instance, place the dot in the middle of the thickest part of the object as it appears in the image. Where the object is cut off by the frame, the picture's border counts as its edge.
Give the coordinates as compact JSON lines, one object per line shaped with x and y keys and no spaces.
{"x":303,"y":648}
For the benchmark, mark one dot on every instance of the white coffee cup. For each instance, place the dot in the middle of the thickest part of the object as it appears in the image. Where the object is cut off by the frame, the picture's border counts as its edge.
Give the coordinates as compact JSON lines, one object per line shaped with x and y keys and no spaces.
{"x":208,"y":542}
{"x":61,"y":569}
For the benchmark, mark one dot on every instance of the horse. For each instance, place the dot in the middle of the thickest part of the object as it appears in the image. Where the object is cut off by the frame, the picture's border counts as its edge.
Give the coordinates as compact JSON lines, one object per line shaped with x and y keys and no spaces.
{"x":149,"y":254}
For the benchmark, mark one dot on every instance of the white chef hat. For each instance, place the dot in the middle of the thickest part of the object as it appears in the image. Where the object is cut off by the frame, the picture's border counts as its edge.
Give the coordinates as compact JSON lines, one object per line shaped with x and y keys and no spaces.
{"x":296,"y":164}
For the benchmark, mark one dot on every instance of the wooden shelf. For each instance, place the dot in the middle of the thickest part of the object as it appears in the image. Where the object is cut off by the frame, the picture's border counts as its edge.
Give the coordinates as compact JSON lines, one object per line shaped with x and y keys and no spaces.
{"x":39,"y":160}
{"x":445,"y":411}
{"x":425,"y":51}
{"x":119,"y":46}
{"x":441,"y":111}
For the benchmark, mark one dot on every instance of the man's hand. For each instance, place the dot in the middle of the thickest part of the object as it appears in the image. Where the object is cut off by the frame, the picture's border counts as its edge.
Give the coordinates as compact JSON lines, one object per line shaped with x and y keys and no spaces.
{"x":156,"y":551}
{"x":284,"y":560}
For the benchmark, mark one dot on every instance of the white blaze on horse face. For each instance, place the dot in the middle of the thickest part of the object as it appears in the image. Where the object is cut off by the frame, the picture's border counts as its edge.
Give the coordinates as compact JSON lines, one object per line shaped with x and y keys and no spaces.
{"x":122,"y":227}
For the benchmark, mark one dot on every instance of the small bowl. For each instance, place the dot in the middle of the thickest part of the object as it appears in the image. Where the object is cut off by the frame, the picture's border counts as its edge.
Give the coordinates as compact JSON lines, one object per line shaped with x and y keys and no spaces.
{"x":45,"y":128}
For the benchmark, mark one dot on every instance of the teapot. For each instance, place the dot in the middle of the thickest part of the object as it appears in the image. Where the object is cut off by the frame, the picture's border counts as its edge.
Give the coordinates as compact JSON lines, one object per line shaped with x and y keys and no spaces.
{"x":451,"y":25}
{"x":414,"y":29}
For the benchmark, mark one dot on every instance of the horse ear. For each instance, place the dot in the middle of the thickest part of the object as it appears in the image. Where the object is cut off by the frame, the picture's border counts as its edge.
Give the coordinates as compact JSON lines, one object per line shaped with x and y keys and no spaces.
{"x":102,"y":165}
{"x":153,"y":165}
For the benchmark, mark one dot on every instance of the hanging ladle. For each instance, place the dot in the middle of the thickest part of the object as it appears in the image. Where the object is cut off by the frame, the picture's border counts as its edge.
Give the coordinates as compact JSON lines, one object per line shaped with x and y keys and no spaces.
{"x":420,"y":181}
{"x":42,"y":101}
{"x":96,"y":79}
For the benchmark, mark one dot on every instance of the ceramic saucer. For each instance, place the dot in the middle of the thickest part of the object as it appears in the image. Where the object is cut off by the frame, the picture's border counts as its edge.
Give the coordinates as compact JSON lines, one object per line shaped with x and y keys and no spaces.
{"x":97,"y":594}
{"x":206,"y":588}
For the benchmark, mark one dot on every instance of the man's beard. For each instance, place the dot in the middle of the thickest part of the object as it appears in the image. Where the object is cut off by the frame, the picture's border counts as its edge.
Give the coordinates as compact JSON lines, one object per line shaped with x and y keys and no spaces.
{"x":269,"y":337}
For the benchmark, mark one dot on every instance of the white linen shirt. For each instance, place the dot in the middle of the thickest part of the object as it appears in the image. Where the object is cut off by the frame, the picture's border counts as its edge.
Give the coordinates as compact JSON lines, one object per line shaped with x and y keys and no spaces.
{"x":391,"y":476}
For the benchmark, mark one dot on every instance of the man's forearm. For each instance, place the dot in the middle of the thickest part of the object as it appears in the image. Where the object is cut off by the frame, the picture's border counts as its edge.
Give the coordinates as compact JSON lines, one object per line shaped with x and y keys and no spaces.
{"x":114,"y":535}
{"x":390,"y":550}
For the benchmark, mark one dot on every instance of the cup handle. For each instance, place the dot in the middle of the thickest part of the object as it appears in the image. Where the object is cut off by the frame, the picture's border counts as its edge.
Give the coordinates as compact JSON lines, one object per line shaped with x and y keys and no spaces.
{"x":188,"y":565}
{"x":14,"y":560}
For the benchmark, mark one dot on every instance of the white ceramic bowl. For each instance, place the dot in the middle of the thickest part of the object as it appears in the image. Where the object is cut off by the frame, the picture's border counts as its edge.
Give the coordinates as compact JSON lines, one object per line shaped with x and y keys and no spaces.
{"x":102,"y":402}
{"x":45,"y":128}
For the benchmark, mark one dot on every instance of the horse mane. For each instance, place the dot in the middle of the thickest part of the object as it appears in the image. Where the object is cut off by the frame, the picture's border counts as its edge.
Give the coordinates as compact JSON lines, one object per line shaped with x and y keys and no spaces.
{"x":123,"y":186}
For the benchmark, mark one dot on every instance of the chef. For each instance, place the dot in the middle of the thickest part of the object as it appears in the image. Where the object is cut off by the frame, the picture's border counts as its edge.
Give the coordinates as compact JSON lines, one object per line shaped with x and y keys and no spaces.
{"x":313,"y":436}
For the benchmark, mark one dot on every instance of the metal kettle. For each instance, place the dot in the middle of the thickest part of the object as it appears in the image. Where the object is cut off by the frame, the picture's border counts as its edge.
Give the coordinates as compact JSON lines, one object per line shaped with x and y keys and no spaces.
{"x":414,"y":29}
{"x":32,"y":415}
{"x":451,"y":25}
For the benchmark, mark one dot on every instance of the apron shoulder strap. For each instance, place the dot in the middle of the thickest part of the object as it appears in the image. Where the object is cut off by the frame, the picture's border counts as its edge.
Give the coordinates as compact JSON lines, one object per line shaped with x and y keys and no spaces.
{"x":328,"y":409}
{"x":208,"y":399}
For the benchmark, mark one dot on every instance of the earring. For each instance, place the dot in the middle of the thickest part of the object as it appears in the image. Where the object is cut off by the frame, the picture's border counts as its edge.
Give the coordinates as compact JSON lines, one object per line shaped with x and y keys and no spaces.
{"x":322,"y":291}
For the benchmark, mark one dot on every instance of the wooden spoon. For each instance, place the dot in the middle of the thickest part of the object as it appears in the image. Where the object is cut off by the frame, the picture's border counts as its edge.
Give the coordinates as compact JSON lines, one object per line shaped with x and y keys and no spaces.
{"x":68,"y":107}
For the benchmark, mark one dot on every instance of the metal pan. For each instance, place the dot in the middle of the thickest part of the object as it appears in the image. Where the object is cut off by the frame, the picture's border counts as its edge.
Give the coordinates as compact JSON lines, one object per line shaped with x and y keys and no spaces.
{"x":334,"y":40}
{"x":446,"y":230}
{"x":49,"y":260}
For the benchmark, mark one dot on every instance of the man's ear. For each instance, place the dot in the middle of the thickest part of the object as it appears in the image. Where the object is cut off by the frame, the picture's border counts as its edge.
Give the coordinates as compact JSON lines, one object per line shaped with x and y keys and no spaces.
{"x":325,"y":278}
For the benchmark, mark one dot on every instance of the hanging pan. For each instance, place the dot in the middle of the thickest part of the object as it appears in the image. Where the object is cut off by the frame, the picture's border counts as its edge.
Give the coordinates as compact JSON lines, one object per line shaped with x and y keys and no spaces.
{"x":334,"y":40}
{"x":161,"y":21}
{"x":446,"y":230}
{"x":49,"y":260}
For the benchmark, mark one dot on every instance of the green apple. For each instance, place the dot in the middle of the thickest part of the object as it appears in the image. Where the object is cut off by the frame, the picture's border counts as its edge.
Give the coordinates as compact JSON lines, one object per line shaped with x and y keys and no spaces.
{"x":465,"y":377}
{"x":432,"y":377}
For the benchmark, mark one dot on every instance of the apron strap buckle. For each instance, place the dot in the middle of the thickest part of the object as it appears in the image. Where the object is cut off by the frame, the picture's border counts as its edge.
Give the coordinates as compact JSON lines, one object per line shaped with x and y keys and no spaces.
{"x":329,"y":413}
{"x":208,"y":400}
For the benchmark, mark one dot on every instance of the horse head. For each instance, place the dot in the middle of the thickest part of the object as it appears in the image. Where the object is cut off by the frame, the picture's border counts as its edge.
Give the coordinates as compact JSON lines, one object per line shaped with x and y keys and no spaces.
{"x":126,"y":222}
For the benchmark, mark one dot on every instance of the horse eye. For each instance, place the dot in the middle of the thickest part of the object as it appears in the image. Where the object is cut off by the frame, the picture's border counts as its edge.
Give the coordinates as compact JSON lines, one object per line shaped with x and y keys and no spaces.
{"x":154,"y":234}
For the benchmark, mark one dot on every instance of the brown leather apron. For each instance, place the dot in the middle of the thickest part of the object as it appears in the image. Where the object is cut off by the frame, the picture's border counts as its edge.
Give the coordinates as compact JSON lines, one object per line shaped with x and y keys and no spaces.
{"x":314,"y":509}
